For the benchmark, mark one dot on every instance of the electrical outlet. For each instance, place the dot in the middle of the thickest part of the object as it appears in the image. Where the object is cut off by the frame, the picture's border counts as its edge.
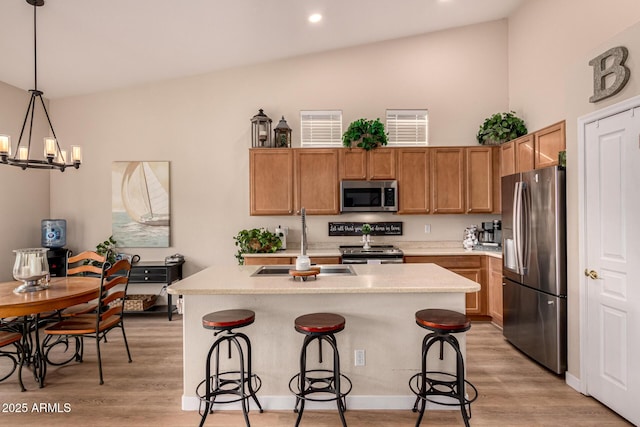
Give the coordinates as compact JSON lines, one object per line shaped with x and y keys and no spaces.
{"x":359,"y":358}
{"x":427,"y":228}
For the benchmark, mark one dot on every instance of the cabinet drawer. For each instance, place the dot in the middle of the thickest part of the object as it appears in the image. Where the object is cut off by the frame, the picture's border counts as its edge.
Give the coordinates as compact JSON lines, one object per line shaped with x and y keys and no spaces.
{"x":148,"y":274}
{"x":448,"y":261}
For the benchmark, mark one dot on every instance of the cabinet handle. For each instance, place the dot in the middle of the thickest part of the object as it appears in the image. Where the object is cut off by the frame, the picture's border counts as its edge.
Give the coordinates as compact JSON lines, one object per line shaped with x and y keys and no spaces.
{"x":146,"y":278}
{"x":146,"y":272}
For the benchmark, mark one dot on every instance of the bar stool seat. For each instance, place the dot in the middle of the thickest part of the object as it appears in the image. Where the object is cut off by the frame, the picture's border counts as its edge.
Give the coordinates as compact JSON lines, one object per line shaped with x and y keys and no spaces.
{"x":241,"y":384}
{"x":320,"y":385}
{"x":427,"y":384}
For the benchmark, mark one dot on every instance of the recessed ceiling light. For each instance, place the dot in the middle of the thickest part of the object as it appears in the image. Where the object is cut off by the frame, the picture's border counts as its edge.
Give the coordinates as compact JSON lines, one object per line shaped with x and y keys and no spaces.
{"x":316,"y":17}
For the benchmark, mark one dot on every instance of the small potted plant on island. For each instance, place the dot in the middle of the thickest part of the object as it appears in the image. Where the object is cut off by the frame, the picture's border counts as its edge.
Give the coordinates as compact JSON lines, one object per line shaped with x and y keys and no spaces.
{"x":366,"y":134}
{"x":500,"y":128}
{"x":256,"y":240}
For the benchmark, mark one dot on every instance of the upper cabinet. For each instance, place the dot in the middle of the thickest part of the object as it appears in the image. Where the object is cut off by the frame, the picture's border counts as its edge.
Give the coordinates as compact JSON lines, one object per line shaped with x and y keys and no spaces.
{"x":317,"y":186}
{"x":448,"y":179}
{"x":533,"y":151}
{"x":413,"y":180}
{"x":359,"y":164}
{"x":549,"y":142}
{"x":481,"y":183}
{"x":271,"y":181}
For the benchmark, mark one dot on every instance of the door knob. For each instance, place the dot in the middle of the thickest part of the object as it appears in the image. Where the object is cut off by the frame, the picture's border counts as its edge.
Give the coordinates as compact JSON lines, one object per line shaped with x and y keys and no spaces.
{"x":591,"y":274}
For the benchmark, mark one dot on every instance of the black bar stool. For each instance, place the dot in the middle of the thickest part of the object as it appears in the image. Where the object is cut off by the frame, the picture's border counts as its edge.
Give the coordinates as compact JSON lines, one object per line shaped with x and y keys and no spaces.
{"x":242,"y":383}
{"x":426,"y":384}
{"x":320,"y":327}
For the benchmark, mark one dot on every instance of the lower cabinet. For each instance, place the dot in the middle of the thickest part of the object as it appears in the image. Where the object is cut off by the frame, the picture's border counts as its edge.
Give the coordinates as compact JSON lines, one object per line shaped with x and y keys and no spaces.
{"x":469,"y":266}
{"x":495,"y":289}
{"x":156,"y":272}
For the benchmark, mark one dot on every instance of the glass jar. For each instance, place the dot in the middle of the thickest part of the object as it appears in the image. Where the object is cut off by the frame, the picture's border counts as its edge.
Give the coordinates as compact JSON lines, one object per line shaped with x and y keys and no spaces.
{"x":32,"y":268}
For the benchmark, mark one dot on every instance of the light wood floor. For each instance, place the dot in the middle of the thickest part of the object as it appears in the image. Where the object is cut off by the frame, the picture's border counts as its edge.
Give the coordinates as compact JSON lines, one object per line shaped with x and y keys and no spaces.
{"x":513,"y":390}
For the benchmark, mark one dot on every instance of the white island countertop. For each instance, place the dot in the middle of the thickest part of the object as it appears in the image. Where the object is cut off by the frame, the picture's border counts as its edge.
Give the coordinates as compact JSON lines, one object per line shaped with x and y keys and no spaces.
{"x":372,"y":278}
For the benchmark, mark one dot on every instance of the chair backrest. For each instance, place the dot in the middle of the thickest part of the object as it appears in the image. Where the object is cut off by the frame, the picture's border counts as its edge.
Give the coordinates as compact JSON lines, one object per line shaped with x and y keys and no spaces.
{"x":112,"y":300}
{"x":85,"y":262}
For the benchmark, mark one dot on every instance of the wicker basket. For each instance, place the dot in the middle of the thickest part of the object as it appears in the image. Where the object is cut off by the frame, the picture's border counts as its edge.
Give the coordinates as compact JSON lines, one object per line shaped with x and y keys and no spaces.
{"x":137,"y":302}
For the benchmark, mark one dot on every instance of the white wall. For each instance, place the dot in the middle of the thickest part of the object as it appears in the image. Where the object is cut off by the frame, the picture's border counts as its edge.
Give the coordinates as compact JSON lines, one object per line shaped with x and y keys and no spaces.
{"x":25,"y":194}
{"x":550,"y":45}
{"x":201,"y":124}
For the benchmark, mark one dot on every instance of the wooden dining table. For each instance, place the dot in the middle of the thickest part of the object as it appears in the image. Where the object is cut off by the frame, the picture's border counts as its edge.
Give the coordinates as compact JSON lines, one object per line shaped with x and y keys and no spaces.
{"x":27,"y":307}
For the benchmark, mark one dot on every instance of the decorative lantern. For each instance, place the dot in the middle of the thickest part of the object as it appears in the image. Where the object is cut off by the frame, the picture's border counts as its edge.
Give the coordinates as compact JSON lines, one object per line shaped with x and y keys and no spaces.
{"x":261,"y":130}
{"x":282,"y":134}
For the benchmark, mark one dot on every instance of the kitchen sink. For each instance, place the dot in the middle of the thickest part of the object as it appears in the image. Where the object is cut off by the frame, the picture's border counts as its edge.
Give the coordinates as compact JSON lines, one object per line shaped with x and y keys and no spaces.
{"x":325,"y":270}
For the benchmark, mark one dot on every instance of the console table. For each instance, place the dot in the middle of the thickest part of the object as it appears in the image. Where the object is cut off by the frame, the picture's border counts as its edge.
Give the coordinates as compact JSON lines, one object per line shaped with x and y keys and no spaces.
{"x":157,"y":272}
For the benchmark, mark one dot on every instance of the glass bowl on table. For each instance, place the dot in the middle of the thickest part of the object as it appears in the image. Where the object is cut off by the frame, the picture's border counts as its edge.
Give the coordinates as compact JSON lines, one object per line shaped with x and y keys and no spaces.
{"x":32,"y":268}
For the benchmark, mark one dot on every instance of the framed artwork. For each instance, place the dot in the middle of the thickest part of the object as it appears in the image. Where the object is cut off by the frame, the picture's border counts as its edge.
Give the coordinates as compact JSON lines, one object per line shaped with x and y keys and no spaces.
{"x":140,"y":214}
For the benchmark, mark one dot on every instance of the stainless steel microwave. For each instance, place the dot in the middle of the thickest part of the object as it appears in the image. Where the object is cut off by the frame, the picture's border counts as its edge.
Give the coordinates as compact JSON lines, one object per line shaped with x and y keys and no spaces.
{"x":368,"y":196}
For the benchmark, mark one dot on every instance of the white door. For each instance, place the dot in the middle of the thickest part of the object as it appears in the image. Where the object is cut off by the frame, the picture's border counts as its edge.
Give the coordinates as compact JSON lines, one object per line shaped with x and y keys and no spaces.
{"x":612,"y":261}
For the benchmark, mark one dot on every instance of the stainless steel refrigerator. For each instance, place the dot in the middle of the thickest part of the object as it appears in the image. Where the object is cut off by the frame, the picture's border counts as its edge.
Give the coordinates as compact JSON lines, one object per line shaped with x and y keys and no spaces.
{"x":534,"y":265}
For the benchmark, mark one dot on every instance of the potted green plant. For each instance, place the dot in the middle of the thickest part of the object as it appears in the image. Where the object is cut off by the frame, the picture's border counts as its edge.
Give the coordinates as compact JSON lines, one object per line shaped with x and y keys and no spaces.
{"x":500,"y":128}
{"x":103,"y":247}
{"x":256,"y":240}
{"x":367,"y":134}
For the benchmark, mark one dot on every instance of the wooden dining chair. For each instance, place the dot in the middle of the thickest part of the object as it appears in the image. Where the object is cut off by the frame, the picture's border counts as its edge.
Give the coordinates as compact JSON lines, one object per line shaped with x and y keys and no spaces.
{"x":108,"y":315}
{"x":85,"y":263}
{"x":10,"y":335}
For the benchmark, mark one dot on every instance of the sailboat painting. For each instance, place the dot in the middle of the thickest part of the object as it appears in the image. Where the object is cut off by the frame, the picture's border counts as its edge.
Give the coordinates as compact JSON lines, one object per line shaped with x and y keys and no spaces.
{"x":140,"y":204}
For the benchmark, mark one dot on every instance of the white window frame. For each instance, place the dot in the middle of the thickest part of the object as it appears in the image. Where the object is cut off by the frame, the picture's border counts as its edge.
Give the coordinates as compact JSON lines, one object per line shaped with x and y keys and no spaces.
{"x":407,"y":127}
{"x":321,"y":128}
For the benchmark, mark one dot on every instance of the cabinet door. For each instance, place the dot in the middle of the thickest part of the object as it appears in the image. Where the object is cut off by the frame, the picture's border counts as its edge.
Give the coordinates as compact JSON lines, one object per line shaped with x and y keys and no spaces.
{"x":495,"y":290}
{"x":267,"y":260}
{"x":382,"y":163}
{"x":324,"y":260}
{"x":317,"y":185}
{"x":353,"y":163}
{"x":271,"y":181}
{"x":413,"y":180}
{"x":507,"y":159}
{"x":548,"y":143}
{"x":524,"y":153}
{"x":447,"y":177}
{"x":479,"y":179}
{"x":474,"y":299}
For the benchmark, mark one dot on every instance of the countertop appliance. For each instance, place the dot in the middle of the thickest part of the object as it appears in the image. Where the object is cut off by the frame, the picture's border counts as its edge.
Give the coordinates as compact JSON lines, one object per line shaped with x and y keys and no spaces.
{"x":534,"y":265}
{"x":376,"y":254}
{"x":368,"y":196}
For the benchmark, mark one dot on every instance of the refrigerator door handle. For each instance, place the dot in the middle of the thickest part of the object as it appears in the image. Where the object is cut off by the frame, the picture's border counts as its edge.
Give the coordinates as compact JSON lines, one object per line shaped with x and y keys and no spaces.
{"x":517,"y":225}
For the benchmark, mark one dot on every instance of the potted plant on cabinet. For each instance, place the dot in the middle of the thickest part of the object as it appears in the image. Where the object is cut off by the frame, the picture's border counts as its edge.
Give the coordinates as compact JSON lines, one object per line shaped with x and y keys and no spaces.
{"x":501,"y":127}
{"x":367,"y":134}
{"x":256,"y":240}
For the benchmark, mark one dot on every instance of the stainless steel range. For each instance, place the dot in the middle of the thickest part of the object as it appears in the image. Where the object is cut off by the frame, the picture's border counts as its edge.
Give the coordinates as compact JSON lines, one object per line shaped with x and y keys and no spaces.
{"x":376,"y":254}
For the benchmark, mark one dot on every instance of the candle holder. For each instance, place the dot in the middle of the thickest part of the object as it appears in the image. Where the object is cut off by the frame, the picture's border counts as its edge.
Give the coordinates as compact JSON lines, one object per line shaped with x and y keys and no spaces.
{"x":31,"y":268}
{"x":261,"y":130}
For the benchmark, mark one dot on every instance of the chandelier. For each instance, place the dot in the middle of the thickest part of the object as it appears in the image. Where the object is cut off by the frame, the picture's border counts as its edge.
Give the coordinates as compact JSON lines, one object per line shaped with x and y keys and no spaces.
{"x":54,"y":157}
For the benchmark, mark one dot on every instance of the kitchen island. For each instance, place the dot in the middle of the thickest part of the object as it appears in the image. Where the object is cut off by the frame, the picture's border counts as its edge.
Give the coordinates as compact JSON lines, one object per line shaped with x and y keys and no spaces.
{"x":378,"y":302}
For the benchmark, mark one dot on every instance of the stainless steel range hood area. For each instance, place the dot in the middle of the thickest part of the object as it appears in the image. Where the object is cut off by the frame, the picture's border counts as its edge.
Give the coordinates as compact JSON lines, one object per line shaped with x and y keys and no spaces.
{"x":283,"y":270}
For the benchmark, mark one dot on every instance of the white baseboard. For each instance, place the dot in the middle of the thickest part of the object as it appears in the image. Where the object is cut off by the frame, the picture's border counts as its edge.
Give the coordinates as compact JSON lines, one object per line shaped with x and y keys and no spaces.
{"x":573,"y":382}
{"x":283,"y":403}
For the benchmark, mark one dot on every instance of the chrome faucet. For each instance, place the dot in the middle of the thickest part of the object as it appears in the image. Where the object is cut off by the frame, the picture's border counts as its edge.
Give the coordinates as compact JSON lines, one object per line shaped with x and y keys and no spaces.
{"x":303,"y":243}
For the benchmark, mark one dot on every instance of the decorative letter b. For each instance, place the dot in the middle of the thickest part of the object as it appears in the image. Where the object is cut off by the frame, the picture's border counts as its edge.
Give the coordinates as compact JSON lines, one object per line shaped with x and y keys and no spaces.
{"x":601,"y":71}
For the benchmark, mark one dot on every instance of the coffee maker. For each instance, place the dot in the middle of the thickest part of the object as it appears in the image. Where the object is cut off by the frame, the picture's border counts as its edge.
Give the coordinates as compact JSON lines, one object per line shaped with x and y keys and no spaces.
{"x":491,"y":233}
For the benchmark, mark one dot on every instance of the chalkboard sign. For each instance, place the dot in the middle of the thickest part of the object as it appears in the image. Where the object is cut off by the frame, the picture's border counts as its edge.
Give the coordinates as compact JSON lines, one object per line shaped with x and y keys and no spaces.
{"x":355,"y":228}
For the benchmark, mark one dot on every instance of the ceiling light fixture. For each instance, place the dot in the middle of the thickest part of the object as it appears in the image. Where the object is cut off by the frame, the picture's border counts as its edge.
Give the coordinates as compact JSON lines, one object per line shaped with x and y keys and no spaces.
{"x":54,"y":157}
{"x":316,"y":17}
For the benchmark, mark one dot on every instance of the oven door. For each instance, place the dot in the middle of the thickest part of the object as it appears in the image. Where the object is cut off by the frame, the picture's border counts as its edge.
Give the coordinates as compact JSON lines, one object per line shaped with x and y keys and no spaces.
{"x":372,"y":260}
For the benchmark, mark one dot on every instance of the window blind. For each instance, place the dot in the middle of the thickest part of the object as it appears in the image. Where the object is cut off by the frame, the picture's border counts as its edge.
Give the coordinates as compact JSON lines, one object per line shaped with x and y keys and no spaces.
{"x":321,"y":128}
{"x":408,"y":127}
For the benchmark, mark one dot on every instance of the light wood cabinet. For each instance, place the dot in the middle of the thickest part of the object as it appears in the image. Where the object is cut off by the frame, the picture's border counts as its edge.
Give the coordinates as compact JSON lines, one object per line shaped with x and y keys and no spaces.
{"x":479,"y":177}
{"x":285,"y":260}
{"x":316,"y":182}
{"x":525,"y":155}
{"x":359,"y":164}
{"x":271,"y":181}
{"x":447,"y":178}
{"x":495,"y":289}
{"x":413,"y":181}
{"x":548,"y":143}
{"x":507,"y":159}
{"x":469,"y":266}
{"x":321,"y":260}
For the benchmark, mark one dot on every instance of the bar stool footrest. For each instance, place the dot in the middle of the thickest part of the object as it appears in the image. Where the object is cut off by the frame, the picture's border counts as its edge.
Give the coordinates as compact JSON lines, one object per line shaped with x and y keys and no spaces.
{"x":434,"y":387}
{"x":229,"y":383}
{"x":326,"y":386}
